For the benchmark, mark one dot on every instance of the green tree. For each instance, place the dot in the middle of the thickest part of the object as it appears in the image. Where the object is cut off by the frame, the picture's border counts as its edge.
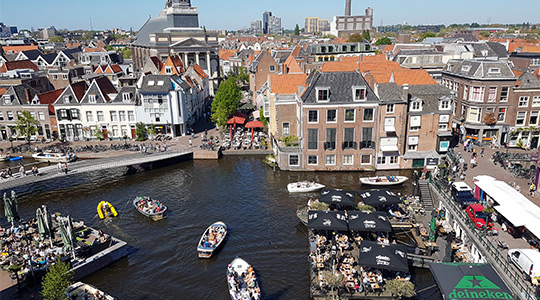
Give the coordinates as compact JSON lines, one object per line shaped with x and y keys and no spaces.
{"x":57,"y":279}
{"x":242,"y":75}
{"x":297,"y":30}
{"x":126,"y":52}
{"x":485,"y":33}
{"x":226,"y":101}
{"x":88,"y":35}
{"x":140,"y":131}
{"x":400,"y":288}
{"x":383,"y":41}
{"x":56,"y":39}
{"x":355,"y":38}
{"x":109,"y":48}
{"x":264,"y":119}
{"x":152,"y":130}
{"x":99,"y":134}
{"x":26,"y":125}
{"x":366,"y":36}
{"x":427,"y":34}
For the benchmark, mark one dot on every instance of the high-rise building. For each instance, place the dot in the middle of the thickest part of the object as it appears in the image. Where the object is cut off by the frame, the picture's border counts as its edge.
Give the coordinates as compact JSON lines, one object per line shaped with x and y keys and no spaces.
{"x":256,"y":26}
{"x":311,"y":25}
{"x":274,"y":25}
{"x":266,"y":21}
{"x":324,"y":25}
{"x":344,"y":26}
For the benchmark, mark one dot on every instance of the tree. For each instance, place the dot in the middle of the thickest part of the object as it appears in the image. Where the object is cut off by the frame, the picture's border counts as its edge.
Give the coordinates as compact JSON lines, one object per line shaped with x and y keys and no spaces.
{"x":355,"y":38}
{"x":152,"y":130}
{"x":400,"y":288}
{"x":99,"y":134}
{"x":140,"y":131}
{"x":297,"y":30}
{"x":319,"y":206}
{"x":485,"y":33}
{"x":242,"y":75}
{"x":57,"y":279}
{"x":226,"y":101}
{"x":366,"y":35}
{"x":383,"y":41}
{"x":56,"y":39}
{"x":26,"y":125}
{"x":88,"y":35}
{"x":264,"y":119}
{"x":126,"y":53}
{"x":427,"y":34}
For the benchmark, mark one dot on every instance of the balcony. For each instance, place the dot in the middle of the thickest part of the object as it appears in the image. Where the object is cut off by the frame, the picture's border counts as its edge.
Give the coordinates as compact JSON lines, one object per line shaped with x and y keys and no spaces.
{"x":350,"y":145}
{"x":367,"y":145}
{"x":330,"y":146}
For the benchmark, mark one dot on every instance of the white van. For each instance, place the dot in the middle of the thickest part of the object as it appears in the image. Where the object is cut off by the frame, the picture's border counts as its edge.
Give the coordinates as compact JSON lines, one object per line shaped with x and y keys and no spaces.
{"x":526,"y":260}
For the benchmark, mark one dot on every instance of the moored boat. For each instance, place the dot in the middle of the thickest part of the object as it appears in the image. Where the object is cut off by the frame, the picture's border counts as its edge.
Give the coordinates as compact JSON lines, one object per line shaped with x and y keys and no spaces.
{"x":242,"y":281}
{"x":106,"y":210}
{"x":151,"y":208}
{"x":302,"y":214}
{"x":383,"y":180}
{"x":304,"y":187}
{"x":212,"y":239}
{"x":5,"y":157}
{"x":80,"y":290}
{"x":15,"y":158}
{"x":53,"y":157}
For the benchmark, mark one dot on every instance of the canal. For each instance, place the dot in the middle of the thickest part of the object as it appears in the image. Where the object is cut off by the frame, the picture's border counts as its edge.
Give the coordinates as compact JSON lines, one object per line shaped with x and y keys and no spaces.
{"x":241,"y":191}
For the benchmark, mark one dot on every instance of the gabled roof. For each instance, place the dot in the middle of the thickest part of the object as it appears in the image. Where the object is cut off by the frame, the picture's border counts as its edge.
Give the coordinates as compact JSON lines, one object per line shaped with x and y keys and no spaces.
{"x":18,"y":65}
{"x":401,"y":77}
{"x":100,"y":87}
{"x":176,"y":63}
{"x":199,"y":71}
{"x":286,"y":83}
{"x":528,"y":81}
{"x":49,"y":58}
{"x":130,"y":90}
{"x":340,"y":86}
{"x":49,"y":98}
{"x":75,"y":90}
{"x":430,"y":94}
{"x":225,"y":54}
{"x":479,"y":69}
{"x":32,"y":54}
{"x":22,"y":94}
{"x":292,"y":65}
{"x":151,"y":84}
{"x":390,"y":92}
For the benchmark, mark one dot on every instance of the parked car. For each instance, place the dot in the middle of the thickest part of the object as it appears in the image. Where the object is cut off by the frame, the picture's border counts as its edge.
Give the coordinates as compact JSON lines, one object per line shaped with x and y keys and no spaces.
{"x":527,"y":261}
{"x":479,"y":217}
{"x":463,"y":194}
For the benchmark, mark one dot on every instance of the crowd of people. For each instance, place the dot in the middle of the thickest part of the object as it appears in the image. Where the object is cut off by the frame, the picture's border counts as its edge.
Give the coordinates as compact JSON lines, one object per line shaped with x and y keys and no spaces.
{"x":150,"y":206}
{"x":244,"y":286}
{"x":8,"y":173}
{"x":215,"y":235}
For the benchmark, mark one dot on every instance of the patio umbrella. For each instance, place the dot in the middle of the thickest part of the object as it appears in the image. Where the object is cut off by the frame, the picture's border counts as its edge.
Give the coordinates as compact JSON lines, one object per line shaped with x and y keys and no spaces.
{"x":8,"y":210}
{"x":254,"y":124}
{"x":15,"y":206}
{"x":236,"y":120}
{"x":44,"y":223}
{"x":388,"y":257}
{"x":327,"y":220}
{"x":375,"y":221}
{"x":377,"y":198}
{"x":66,"y":231}
{"x":337,"y":197}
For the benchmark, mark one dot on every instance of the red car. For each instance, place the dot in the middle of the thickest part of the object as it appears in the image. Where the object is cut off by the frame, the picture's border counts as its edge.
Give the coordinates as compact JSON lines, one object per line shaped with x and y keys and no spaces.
{"x":478,"y":216}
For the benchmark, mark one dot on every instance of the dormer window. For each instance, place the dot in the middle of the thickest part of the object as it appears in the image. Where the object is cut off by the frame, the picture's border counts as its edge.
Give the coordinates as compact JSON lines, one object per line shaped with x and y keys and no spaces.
{"x":323,"y":94}
{"x":92,"y":98}
{"x":67,"y":99}
{"x":416,"y":106}
{"x":161,"y":83}
{"x":126,"y":97}
{"x":494,"y":71}
{"x":359,"y":93}
{"x":151,"y":83}
{"x":465,"y":68}
{"x":168,"y":70}
{"x":6,"y":99}
{"x":444,"y":104}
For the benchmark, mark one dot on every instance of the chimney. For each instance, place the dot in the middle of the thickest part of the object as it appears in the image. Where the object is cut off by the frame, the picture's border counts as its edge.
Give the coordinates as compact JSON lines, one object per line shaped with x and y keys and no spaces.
{"x":406,"y":92}
{"x":348,"y":7}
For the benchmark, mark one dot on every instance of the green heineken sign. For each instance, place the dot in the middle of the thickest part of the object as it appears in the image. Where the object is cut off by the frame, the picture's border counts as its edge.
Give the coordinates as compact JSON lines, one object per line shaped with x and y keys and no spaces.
{"x":469,"y":281}
{"x":477,"y":287}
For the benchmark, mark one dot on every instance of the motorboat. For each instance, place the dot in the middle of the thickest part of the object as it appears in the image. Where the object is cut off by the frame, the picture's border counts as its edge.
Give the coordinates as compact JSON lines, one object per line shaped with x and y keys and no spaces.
{"x":212,"y":239}
{"x":383,"y":180}
{"x":53,"y":157}
{"x":151,"y":208}
{"x":304,"y":187}
{"x":106,"y":210}
{"x":5,"y":157}
{"x":302,"y":214}
{"x":15,"y":158}
{"x":80,"y":290}
{"x":242,"y":281}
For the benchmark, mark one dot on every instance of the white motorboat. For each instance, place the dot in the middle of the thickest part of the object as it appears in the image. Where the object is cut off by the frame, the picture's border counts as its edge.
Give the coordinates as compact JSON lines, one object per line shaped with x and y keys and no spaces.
{"x":242,"y":281}
{"x":212,"y":239}
{"x":304,"y":187}
{"x":383,"y":180}
{"x":81,"y":290}
{"x":53,"y":157}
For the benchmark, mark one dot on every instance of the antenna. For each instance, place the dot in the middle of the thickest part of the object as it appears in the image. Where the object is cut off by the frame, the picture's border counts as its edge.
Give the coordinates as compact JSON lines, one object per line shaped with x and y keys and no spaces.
{"x":91,"y":26}
{"x":489,"y":20}
{"x":381,"y":22}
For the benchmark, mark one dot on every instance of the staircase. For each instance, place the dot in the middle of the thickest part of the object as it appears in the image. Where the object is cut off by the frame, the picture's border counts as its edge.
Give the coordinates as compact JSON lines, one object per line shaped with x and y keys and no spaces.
{"x":425,"y":195}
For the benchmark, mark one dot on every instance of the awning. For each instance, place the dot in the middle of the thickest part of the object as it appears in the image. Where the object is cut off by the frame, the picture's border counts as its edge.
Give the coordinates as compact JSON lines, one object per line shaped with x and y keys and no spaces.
{"x":389,"y":148}
{"x":512,"y":213}
{"x":444,"y":133}
{"x":388,"y":257}
{"x":389,"y":128}
{"x":421,"y":154}
{"x":469,"y":281}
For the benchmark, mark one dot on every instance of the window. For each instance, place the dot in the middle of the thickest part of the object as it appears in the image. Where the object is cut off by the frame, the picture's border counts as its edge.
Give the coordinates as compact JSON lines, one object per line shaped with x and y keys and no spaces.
{"x":168,"y":70}
{"x":381,"y":160}
{"x":413,"y":143}
{"x":536,"y":101}
{"x":504,"y":93}
{"x":390,"y":108}
{"x":286,"y":128}
{"x":365,"y":159}
{"x":55,"y":77}
{"x":444,"y":105}
{"x":368,"y":114}
{"x":313,"y":137}
{"x":126,"y":97}
{"x":477,"y":93}
{"x":89,"y":116}
{"x":331,"y":116}
{"x":115,"y":131}
{"x":412,"y":147}
{"x":61,"y":113}
{"x":293,"y":160}
{"x":330,"y":160}
{"x":394,"y":160}
{"x":322,"y":94}
{"x":1,"y":116}
{"x":330,"y":143}
{"x":474,"y":114}
{"x":416,"y":106}
{"x":313,"y":116}
{"x":535,"y":62}
{"x":114,"y":116}
{"x":348,"y":160}
{"x":151,"y":83}
{"x":465,"y":92}
{"x":523,"y":101}
{"x":160,"y":83}
{"x":501,"y":115}
{"x":359,"y":94}
{"x":312,"y":160}
{"x":75,"y":114}
{"x":10,"y":115}
{"x":349,"y":115}
{"x":92,"y":98}
{"x":67,"y":99}
{"x":520,"y":118}
{"x":492,"y":96}
{"x":266,"y":110}
{"x":65,"y":77}
{"x":494,"y":71}
{"x":41,"y":115}
{"x":443,"y":126}
{"x":100,"y":116}
{"x":416,"y":122}
{"x":533,"y":119}
{"x":131,"y":116}
{"x":272,"y":68}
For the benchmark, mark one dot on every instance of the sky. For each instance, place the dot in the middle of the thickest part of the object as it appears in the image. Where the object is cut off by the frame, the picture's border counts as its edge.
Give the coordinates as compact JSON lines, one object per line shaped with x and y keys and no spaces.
{"x":235,"y":14}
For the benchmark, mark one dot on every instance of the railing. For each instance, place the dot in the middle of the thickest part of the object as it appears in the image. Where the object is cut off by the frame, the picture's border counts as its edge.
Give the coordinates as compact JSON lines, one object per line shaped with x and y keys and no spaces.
{"x":485,"y":244}
{"x":350,"y":145}
{"x":367,"y":144}
{"x":329,"y":145}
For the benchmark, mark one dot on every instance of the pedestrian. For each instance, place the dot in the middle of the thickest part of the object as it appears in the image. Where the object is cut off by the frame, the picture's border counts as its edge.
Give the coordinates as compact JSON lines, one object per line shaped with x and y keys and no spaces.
{"x":190,"y":142}
{"x":482,"y":152}
{"x":21,"y":170}
{"x":532,"y":189}
{"x":466,"y":145}
{"x":65,"y":167}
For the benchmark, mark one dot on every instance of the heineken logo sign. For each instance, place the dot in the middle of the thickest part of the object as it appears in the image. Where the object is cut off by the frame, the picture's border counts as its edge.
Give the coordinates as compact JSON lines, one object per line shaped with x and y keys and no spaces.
{"x":477,"y":287}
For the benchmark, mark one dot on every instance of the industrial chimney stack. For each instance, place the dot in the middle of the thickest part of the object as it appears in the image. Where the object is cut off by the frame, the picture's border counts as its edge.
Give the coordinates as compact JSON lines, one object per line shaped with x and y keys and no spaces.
{"x":348,"y":7}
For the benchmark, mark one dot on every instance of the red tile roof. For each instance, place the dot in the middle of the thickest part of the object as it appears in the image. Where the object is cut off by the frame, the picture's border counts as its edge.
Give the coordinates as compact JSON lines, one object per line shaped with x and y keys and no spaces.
{"x":94,"y":50}
{"x":531,"y":49}
{"x":199,"y":71}
{"x":517,"y":73}
{"x":286,"y":83}
{"x":19,"y":48}
{"x":354,"y":66}
{"x":225,"y":54}
{"x":79,"y":88}
{"x":401,"y":77}
{"x":2,"y":91}
{"x":292,"y":65}
{"x":49,"y":98}
{"x":18,"y":65}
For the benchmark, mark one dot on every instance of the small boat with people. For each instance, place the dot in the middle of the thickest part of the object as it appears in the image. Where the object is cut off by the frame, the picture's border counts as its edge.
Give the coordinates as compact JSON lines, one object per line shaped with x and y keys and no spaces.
{"x":212,"y":239}
{"x":106,"y":210}
{"x":54,"y":157}
{"x":383,"y":180}
{"x":80,"y":290}
{"x":304,"y":187}
{"x":242,"y":281}
{"x":302,"y":214}
{"x":149,"y":207}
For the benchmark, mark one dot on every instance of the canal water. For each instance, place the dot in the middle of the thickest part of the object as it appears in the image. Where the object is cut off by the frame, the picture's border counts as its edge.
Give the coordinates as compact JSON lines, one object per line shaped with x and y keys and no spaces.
{"x":243,"y":192}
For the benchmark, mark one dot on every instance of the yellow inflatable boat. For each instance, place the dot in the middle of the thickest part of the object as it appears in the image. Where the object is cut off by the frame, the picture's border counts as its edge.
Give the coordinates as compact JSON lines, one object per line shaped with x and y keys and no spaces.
{"x":106,"y":210}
